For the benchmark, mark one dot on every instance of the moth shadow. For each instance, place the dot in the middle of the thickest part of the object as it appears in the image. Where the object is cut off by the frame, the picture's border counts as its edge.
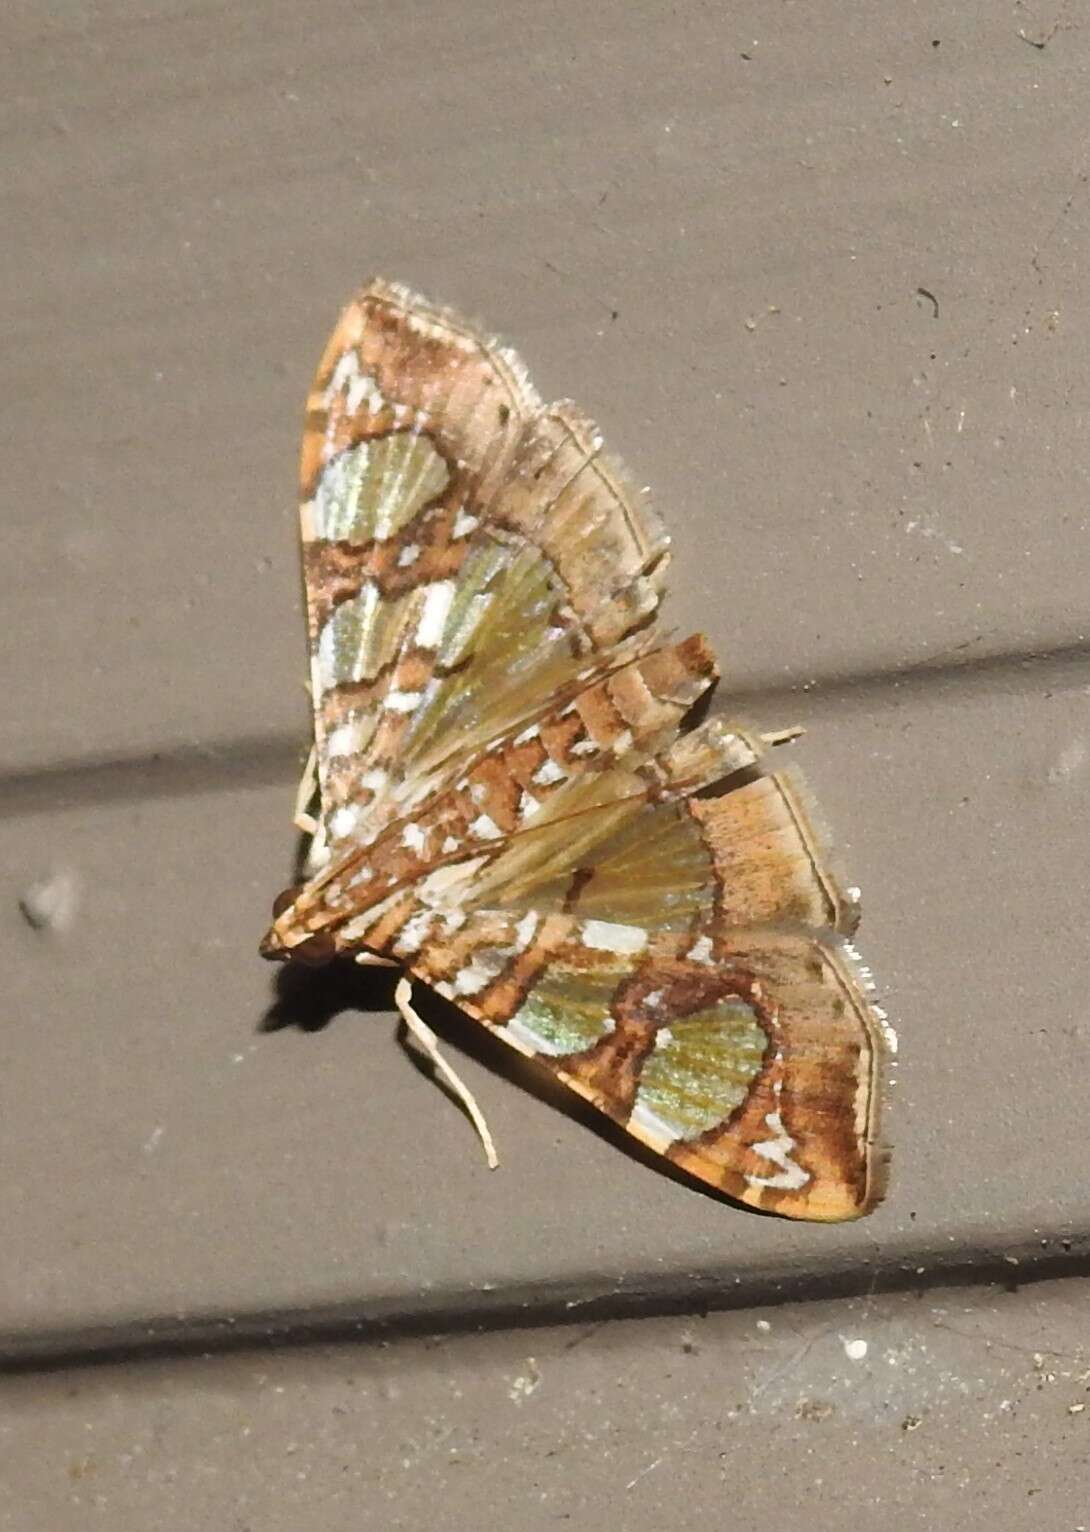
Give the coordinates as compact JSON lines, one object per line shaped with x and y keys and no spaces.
{"x":311,"y":998}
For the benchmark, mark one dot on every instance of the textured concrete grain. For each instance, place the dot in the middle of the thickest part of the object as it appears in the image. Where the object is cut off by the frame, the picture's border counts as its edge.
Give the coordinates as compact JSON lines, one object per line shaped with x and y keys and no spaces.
{"x":823,"y":274}
{"x":710,"y":227}
{"x":165,"y":1153}
{"x":907,"y":1413}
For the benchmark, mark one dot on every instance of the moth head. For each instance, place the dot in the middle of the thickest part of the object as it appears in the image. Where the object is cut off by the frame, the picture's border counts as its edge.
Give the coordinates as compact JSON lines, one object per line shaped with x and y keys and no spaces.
{"x":287,"y":940}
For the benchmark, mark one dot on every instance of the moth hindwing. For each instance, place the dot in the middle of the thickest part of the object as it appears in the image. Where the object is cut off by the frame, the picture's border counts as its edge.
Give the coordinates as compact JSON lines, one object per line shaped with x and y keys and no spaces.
{"x":510,"y":806}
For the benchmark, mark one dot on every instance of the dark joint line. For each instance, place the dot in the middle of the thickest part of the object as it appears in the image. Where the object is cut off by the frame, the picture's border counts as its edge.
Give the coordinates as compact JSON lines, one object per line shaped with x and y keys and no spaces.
{"x":529,"y":1306}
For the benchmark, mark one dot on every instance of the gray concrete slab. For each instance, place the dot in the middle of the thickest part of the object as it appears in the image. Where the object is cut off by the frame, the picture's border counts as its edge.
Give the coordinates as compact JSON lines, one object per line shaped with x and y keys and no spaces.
{"x":710,"y":225}
{"x":958,"y":1408}
{"x":164,"y":1156}
{"x":822,"y":274}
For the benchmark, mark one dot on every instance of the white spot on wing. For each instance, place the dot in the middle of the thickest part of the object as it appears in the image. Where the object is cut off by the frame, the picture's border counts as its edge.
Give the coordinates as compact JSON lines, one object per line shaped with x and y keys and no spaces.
{"x":464,"y":524}
{"x":524,"y":931}
{"x":413,"y":932}
{"x":471,"y":980}
{"x":343,"y":821}
{"x":343,"y":740}
{"x":362,"y":389}
{"x":401,"y":702}
{"x":437,"y":603}
{"x":485,"y":828}
{"x":356,"y":385}
{"x":547,"y":773}
{"x":607,"y":936}
{"x":413,"y":837}
{"x":348,"y":366}
{"x":790,"y":1176}
{"x":701,"y":950}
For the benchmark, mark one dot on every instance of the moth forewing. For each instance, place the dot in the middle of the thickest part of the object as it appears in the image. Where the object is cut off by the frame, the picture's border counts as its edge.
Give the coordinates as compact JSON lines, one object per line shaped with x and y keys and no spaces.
{"x":510,"y":806}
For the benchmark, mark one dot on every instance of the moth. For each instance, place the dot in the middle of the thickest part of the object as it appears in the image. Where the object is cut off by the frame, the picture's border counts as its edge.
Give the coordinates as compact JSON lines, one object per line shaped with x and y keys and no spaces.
{"x":511,"y":808}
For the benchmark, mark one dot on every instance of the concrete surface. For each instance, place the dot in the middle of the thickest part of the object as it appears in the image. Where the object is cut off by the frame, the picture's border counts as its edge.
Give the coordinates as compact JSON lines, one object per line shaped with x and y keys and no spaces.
{"x":285,"y":1168}
{"x":822,"y":273}
{"x":919,"y":1412}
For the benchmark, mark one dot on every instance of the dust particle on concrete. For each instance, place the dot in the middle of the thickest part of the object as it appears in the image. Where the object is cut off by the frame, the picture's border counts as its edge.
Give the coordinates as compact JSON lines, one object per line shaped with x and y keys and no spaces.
{"x":50,"y":903}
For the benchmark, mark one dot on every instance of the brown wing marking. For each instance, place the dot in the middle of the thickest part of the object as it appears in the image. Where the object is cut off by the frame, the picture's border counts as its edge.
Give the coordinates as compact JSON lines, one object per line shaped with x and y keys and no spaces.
{"x":580,"y":754}
{"x":756,"y":1071}
{"x":412,"y":418}
{"x":509,"y":802}
{"x":466,"y":553}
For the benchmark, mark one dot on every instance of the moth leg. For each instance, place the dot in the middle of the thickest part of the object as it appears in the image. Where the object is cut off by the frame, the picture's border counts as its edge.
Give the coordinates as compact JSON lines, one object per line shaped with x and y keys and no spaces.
{"x":308,"y":786}
{"x":430,"y":1044}
{"x":317,"y":853}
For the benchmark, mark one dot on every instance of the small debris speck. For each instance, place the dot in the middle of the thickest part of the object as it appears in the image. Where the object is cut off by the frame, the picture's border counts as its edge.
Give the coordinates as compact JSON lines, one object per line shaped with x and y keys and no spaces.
{"x":855,"y":1350}
{"x":526,"y":1383}
{"x":50,"y":903}
{"x":1067,"y":764}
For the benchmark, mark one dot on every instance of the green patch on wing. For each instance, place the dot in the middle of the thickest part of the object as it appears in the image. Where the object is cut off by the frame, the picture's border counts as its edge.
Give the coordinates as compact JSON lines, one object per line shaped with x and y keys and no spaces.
{"x":567,"y":1015}
{"x":499,"y":655}
{"x":376,"y":488}
{"x":699,"y":1071}
{"x":353,"y":641}
{"x":653,"y":871}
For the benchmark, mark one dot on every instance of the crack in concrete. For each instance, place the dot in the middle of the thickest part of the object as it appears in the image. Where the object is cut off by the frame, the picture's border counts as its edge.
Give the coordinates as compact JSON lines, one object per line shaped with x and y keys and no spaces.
{"x":523,"y":1307}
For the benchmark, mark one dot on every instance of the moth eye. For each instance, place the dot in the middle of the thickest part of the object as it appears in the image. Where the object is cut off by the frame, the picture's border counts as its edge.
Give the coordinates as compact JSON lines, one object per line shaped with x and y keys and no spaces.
{"x":316,"y":951}
{"x":285,"y":899}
